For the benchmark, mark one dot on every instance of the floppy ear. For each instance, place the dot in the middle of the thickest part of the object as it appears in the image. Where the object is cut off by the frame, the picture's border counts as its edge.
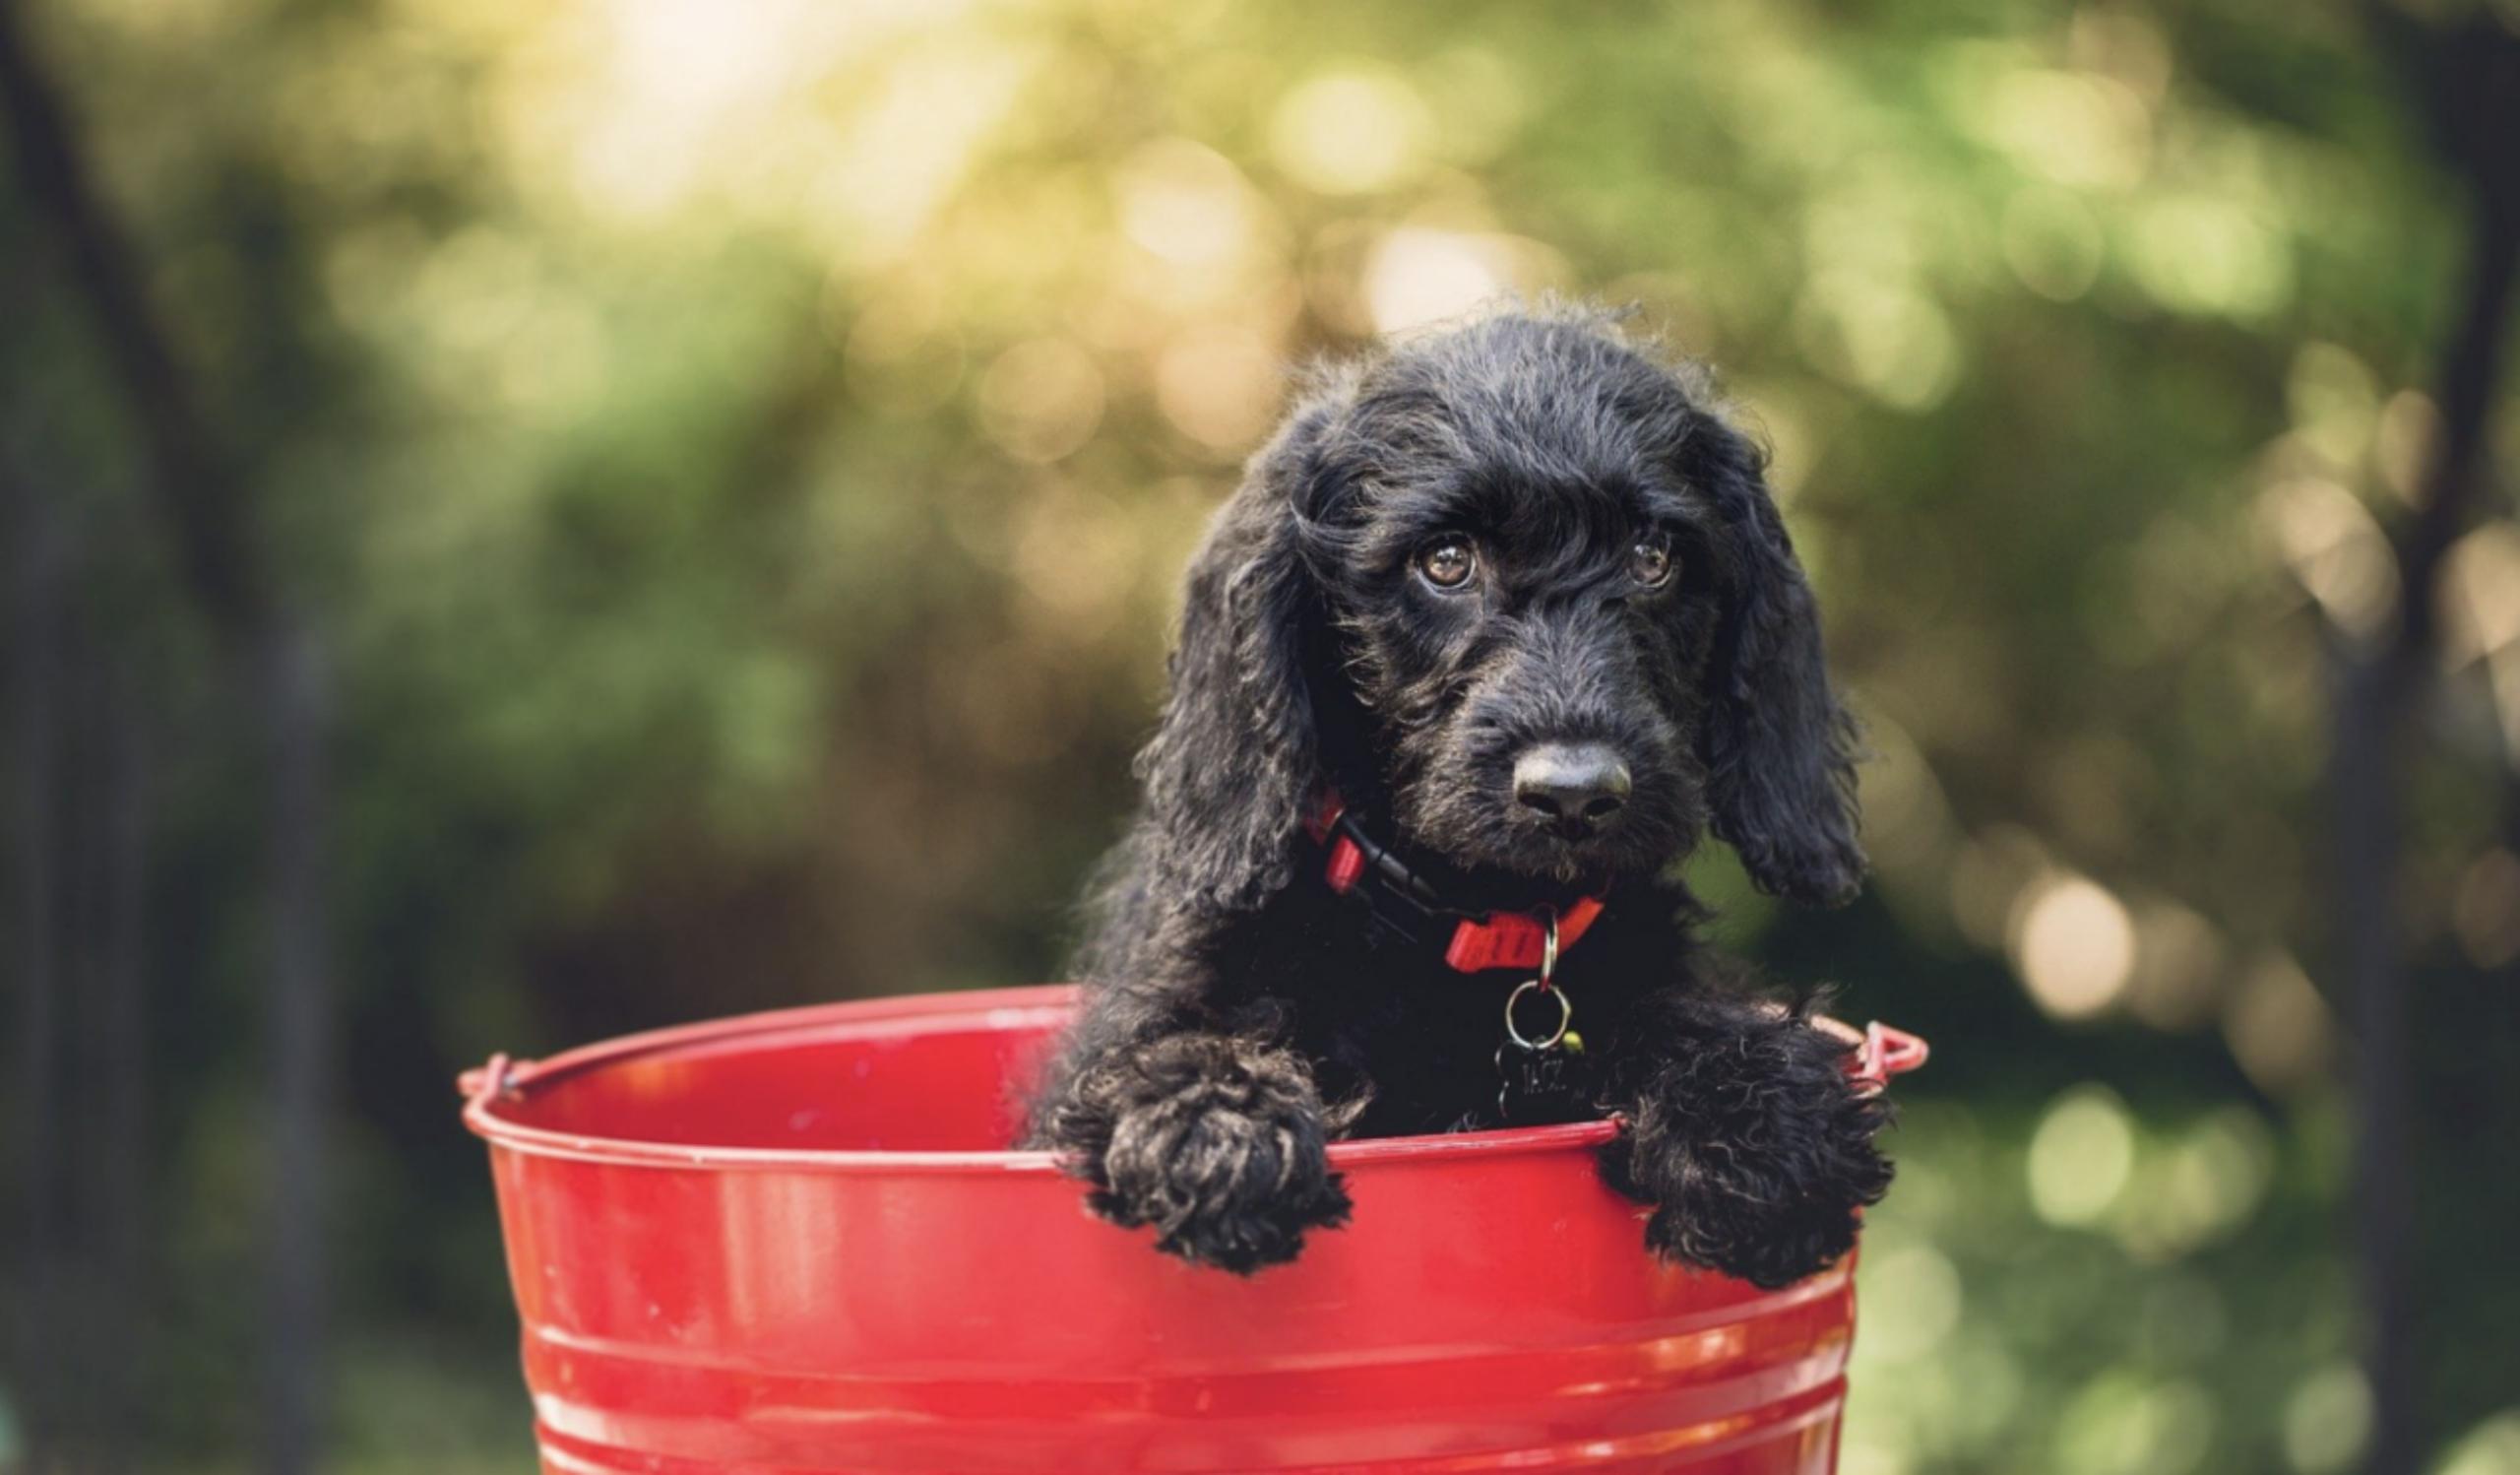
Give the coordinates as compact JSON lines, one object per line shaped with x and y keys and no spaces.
{"x":1234,"y":763}
{"x":1780,"y":750}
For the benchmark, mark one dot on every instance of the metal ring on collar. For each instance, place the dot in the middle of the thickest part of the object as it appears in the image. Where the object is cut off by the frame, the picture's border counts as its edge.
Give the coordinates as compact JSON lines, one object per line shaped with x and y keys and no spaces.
{"x":1565,"y":1014}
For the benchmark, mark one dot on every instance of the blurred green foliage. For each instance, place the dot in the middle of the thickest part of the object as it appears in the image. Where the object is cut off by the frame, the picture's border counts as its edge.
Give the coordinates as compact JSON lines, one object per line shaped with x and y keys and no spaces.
{"x":742,"y":457}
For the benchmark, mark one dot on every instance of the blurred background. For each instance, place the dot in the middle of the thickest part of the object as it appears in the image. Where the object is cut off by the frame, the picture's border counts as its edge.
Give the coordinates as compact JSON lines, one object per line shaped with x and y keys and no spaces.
{"x":524,"y":522}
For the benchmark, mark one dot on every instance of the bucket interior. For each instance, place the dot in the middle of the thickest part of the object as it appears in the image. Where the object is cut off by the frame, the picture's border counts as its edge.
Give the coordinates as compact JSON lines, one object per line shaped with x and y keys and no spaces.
{"x":943,"y":1080}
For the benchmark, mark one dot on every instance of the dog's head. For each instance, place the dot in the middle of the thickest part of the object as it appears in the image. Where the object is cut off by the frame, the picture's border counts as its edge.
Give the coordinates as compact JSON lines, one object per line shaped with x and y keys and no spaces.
{"x":1523,"y":583}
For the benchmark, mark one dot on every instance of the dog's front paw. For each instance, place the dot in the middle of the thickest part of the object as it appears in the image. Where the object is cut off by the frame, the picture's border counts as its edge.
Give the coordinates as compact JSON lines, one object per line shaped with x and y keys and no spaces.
{"x":1222,"y":1148}
{"x":1758,"y":1158}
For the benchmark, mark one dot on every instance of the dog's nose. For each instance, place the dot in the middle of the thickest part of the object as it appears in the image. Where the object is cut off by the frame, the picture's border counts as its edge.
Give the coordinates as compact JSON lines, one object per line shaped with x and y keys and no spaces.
{"x":1576,"y":784}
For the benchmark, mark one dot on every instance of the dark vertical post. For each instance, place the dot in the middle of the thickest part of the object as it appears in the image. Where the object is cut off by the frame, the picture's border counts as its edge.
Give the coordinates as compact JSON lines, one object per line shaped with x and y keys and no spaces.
{"x":122,"y":999}
{"x":202,"y":495}
{"x":291,"y":687}
{"x":2363,"y":766}
{"x":35,"y":620}
{"x":2469,"y":74}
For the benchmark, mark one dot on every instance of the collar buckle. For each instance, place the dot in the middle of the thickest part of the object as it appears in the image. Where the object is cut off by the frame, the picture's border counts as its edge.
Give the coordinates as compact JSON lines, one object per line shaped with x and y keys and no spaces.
{"x":1402,"y":901}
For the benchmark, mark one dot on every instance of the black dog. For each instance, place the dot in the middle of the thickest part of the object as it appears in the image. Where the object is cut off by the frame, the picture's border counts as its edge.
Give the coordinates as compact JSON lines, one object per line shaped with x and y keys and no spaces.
{"x":1512,"y":604}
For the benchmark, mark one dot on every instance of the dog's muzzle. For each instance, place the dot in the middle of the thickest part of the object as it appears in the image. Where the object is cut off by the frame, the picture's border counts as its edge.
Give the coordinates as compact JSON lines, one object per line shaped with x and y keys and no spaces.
{"x":1574,"y":788}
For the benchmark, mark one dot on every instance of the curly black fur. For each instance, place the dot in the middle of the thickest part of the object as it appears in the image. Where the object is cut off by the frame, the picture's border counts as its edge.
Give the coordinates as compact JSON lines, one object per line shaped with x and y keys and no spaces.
{"x":1743,"y":1137}
{"x":1232,"y":999}
{"x":1216,"y":1141}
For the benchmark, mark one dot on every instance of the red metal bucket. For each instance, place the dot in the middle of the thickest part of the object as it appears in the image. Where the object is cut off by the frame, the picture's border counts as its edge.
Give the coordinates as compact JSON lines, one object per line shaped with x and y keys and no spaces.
{"x":784,"y":1244}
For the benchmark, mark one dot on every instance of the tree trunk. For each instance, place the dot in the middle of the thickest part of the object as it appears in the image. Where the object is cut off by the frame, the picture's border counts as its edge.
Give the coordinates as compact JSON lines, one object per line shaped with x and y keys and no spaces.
{"x":291,"y":688}
{"x":35,"y":621}
{"x":2472,"y":73}
{"x":205,"y":501}
{"x":126,"y":1150}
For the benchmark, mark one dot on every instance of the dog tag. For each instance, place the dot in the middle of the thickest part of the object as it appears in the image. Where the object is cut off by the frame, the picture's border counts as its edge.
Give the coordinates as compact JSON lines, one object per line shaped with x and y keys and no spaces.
{"x":1538,"y":1086}
{"x":1541,"y":1081}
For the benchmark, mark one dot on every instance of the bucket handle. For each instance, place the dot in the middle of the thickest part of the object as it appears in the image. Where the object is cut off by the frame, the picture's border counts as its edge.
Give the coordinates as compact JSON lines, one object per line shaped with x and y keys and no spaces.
{"x":1889,"y":1052}
{"x":483,"y":1084}
{"x":1877,"y":1052}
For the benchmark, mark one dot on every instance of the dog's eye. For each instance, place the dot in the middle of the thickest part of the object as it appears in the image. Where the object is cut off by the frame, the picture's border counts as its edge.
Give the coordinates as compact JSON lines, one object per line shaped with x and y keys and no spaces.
{"x":1649,"y":562}
{"x":1447,"y":562}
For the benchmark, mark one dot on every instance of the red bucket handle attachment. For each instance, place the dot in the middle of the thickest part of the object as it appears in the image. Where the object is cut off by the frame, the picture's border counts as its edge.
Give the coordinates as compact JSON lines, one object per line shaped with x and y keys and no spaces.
{"x":1890,"y":1052}
{"x":483,"y":1084}
{"x":1877,"y":1052}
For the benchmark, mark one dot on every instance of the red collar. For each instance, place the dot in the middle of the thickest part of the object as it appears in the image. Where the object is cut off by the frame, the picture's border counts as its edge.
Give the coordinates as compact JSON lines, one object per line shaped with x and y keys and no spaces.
{"x":1496,"y":939}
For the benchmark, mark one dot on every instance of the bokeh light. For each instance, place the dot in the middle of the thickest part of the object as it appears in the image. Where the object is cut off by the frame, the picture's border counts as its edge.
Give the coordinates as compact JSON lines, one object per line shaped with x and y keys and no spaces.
{"x":1350,"y":131}
{"x":2279,"y":1025}
{"x":2081,"y":1157}
{"x":2492,"y":1448}
{"x":2073,"y":944}
{"x":2327,"y":1420}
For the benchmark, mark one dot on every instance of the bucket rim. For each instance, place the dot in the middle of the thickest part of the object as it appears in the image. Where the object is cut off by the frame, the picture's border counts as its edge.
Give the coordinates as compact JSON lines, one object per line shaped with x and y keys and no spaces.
{"x":487,"y":1087}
